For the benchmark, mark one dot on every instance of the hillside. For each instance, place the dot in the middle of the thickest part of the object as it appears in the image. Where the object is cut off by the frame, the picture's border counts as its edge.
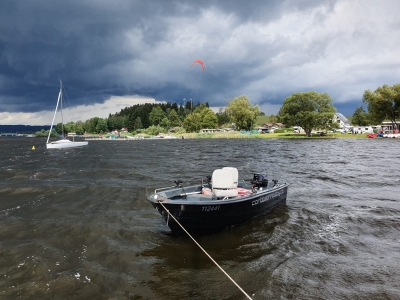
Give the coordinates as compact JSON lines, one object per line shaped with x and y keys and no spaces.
{"x":28,"y":129}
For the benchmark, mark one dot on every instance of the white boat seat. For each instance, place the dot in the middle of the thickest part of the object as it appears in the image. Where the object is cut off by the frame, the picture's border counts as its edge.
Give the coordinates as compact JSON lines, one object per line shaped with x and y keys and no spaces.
{"x":223,"y":184}
{"x":235,"y":173}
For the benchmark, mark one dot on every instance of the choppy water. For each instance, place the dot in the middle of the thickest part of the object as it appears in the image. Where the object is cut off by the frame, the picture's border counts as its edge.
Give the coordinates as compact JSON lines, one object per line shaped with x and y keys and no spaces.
{"x":74,"y":224}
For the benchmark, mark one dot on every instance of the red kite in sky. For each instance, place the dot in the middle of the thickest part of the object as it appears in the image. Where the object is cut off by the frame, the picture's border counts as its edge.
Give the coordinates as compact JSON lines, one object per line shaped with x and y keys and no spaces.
{"x":199,"y":62}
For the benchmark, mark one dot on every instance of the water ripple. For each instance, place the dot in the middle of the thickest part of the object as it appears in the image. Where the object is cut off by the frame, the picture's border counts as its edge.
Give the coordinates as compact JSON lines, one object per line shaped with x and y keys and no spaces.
{"x":75,"y":223}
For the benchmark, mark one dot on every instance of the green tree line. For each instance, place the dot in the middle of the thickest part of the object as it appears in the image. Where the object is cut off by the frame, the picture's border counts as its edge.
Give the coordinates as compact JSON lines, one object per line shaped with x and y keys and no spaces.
{"x":310,"y":110}
{"x":162,"y":117}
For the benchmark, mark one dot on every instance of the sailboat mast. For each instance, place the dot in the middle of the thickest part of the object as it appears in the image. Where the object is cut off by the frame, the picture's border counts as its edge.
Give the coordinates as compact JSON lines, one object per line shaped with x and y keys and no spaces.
{"x":55,"y":112}
{"x":61,"y":104}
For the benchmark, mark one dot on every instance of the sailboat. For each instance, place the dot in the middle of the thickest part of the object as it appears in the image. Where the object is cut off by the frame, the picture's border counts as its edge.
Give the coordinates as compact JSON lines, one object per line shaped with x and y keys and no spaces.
{"x":63,"y":142}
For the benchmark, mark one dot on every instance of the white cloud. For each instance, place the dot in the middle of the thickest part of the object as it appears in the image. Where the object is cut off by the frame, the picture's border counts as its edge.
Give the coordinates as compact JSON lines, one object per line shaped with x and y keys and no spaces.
{"x":78,"y":113}
{"x":270,"y":109}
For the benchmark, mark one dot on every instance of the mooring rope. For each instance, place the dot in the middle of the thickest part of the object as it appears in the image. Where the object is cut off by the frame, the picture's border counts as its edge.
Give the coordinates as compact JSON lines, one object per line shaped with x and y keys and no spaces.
{"x":169,"y":214}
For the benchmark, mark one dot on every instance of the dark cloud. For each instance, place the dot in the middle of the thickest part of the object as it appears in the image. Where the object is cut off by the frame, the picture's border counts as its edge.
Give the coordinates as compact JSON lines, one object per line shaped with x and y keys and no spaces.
{"x":265,"y":49}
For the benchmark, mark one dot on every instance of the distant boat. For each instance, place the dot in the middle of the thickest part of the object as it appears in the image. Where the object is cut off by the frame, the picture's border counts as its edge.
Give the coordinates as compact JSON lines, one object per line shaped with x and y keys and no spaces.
{"x":63,"y":142}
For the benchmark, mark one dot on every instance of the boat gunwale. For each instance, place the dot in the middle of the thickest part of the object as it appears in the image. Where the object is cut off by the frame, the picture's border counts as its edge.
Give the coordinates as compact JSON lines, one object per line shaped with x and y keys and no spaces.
{"x":228,"y":201}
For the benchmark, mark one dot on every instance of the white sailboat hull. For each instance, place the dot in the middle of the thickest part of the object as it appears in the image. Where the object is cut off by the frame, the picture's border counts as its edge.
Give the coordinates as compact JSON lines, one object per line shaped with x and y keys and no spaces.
{"x":64,"y":144}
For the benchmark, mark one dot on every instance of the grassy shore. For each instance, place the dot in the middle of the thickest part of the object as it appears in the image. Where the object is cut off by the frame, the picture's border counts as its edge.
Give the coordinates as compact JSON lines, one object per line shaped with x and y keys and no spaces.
{"x":238,"y":135}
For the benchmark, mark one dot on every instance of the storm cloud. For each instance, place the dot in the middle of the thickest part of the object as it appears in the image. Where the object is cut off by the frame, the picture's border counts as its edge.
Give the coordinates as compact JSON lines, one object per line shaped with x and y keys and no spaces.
{"x":134,"y":50}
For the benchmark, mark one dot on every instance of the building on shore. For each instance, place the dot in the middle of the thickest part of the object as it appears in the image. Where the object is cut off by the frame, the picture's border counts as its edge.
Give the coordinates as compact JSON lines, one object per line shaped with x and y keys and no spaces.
{"x":341,"y":120}
{"x":389,"y":127}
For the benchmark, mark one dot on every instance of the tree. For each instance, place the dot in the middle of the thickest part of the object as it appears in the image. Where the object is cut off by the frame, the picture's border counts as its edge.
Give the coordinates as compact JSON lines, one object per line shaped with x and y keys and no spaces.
{"x":242,"y":113}
{"x":79,"y":127}
{"x":132,"y":113}
{"x":111,"y":122}
{"x":62,"y":128}
{"x":202,"y":117}
{"x":101,"y":126}
{"x":164,"y":123}
{"x":59,"y":128}
{"x":308,"y":110}
{"x":181,"y":112}
{"x":222,"y":116}
{"x":137,"y":124}
{"x":383,"y":103}
{"x":45,"y":133}
{"x":153,"y":130}
{"x":192,"y":122}
{"x":174,"y":118}
{"x":208,"y":119}
{"x":360,"y":117}
{"x":115,"y":122}
{"x":156,"y":115}
{"x":90,"y":125}
{"x":132,"y":122}
{"x":272,"y":119}
{"x":69,"y":127}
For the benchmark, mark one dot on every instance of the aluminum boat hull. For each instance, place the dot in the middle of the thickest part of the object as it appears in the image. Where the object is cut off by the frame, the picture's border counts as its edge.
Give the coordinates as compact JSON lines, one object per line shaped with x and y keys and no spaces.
{"x":200,"y":214}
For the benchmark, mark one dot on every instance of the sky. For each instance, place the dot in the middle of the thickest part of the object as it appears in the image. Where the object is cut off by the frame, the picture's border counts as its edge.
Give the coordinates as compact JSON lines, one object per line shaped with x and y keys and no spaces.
{"x":115,"y":54}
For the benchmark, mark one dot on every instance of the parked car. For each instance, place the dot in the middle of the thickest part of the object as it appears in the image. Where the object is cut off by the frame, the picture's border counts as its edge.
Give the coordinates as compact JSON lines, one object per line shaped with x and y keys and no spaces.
{"x":297,"y":129}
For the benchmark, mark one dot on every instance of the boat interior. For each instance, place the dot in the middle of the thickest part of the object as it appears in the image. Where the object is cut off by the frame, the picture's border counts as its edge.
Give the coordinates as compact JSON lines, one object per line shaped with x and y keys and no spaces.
{"x":222,"y":185}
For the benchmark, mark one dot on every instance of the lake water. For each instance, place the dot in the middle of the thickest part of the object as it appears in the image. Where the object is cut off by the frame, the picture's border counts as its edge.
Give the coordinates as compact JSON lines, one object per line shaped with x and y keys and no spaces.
{"x":75,"y":223}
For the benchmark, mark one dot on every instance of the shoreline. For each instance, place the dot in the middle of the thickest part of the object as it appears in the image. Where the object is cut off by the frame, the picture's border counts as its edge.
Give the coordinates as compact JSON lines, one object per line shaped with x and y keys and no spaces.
{"x":223,"y":135}
{"x":238,"y":135}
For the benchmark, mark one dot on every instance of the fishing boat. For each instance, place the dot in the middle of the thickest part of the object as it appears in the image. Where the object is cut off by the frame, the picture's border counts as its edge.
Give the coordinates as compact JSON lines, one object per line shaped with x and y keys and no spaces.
{"x":219,"y":202}
{"x":63,"y":142}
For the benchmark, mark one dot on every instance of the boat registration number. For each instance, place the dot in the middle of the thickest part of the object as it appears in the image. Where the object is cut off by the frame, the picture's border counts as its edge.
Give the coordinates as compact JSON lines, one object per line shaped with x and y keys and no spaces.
{"x":210,"y":208}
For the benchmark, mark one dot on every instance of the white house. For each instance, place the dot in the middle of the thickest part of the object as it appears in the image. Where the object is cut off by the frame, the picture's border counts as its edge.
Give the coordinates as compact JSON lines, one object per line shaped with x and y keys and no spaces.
{"x":341,"y":119}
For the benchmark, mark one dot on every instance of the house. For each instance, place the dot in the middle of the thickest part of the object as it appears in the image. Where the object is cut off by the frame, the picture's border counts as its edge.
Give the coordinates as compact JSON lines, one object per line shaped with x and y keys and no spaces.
{"x":273,"y":125}
{"x":263,"y":130}
{"x":389,"y":127}
{"x":267,"y":125}
{"x":341,"y":119}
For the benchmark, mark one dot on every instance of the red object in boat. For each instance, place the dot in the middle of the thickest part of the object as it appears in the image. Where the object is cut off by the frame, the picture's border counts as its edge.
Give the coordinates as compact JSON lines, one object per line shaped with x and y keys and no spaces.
{"x":372,"y":135}
{"x":242,"y":191}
